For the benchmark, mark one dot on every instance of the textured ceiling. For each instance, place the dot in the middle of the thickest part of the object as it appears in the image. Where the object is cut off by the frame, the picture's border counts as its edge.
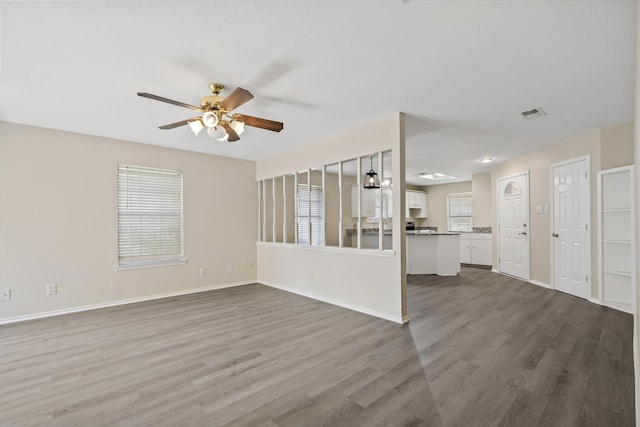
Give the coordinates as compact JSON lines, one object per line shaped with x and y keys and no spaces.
{"x":462,"y":71}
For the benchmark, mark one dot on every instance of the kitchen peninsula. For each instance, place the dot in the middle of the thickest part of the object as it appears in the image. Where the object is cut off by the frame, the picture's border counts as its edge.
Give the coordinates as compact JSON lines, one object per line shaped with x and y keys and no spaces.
{"x":433,"y":253}
{"x":428,"y":252}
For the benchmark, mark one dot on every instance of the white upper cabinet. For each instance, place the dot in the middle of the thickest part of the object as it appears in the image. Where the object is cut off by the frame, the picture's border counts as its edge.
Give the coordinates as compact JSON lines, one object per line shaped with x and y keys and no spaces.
{"x":368,"y":202}
{"x":371,"y":202}
{"x":387,"y":207}
{"x":416,"y":204}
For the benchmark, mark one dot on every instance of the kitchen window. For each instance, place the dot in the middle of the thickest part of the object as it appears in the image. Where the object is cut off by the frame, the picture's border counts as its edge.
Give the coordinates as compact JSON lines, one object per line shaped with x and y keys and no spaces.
{"x":459,"y":212}
{"x":149,"y":217}
{"x":310,"y":212}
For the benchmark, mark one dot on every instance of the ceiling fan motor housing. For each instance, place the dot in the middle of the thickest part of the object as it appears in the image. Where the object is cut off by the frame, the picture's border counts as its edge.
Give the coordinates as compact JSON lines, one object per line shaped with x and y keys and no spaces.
{"x":209,"y":103}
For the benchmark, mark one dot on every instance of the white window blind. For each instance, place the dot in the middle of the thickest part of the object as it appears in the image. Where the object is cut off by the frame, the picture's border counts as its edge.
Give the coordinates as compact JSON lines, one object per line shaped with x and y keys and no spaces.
{"x":313,"y":215}
{"x":149,"y":215}
{"x":459,"y":212}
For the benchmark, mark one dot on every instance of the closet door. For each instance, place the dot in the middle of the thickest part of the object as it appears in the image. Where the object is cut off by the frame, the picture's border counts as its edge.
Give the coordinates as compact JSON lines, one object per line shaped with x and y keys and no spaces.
{"x":616,"y":238}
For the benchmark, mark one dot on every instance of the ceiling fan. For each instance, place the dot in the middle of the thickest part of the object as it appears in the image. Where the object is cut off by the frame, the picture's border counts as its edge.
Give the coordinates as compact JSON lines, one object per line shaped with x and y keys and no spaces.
{"x":216,"y":116}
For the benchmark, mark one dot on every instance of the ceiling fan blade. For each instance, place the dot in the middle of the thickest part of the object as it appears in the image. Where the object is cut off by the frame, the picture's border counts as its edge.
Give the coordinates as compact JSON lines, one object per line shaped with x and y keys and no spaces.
{"x":236,"y":99}
{"x":259,"y":123}
{"x":175,"y":125}
{"x":233,"y":135}
{"x":169,"y":101}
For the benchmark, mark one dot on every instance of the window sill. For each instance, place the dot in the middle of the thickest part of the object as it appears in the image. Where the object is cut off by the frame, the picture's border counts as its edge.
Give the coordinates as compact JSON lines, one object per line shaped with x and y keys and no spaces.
{"x":149,"y":264}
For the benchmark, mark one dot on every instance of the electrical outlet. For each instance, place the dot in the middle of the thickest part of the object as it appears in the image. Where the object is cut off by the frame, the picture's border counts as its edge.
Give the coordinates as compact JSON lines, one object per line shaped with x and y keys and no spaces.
{"x":5,"y":294}
{"x":203,"y":272}
{"x":229,"y":268}
{"x":52,"y":289}
{"x":251,"y":265}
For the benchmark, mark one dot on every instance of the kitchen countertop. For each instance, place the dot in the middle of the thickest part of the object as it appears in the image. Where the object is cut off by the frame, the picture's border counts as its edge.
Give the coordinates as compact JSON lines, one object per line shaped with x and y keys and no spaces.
{"x":367,"y":232}
{"x":430,"y":233}
{"x":375,"y":232}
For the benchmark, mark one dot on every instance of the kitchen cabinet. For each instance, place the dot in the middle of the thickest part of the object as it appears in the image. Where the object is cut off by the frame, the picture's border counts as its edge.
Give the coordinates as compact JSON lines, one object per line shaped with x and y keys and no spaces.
{"x":387,"y":208}
{"x":475,"y":248}
{"x":416,"y":204}
{"x":371,"y":202}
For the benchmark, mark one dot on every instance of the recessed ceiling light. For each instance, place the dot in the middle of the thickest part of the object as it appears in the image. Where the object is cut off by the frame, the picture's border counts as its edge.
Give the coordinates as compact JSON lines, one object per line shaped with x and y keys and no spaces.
{"x":486,"y":160}
{"x":436,"y":176}
{"x":533,"y":113}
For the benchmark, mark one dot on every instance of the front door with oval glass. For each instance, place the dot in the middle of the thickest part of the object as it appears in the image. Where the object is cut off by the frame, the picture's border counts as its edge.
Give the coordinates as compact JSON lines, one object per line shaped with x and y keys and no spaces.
{"x":513,"y":229}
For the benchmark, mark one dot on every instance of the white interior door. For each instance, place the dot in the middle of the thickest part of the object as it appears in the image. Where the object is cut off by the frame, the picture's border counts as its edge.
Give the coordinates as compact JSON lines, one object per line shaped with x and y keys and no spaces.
{"x":570,"y":236}
{"x":513,"y":221}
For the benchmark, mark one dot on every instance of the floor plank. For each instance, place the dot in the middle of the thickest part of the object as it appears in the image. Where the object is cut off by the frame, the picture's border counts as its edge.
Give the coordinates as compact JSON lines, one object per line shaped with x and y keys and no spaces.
{"x":482,"y":349}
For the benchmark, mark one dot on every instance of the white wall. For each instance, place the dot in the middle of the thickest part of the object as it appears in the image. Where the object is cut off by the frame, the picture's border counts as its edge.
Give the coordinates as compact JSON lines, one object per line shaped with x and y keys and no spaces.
{"x":370,"y":281}
{"x":58,"y":222}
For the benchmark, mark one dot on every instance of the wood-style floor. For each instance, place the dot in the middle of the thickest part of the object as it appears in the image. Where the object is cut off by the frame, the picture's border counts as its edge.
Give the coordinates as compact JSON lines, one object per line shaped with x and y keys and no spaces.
{"x":481,"y":350}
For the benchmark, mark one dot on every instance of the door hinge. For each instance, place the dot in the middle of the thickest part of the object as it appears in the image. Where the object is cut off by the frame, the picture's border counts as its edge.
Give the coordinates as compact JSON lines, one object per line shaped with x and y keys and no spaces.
{"x":586,"y":278}
{"x":586,"y":175}
{"x":586,"y":227}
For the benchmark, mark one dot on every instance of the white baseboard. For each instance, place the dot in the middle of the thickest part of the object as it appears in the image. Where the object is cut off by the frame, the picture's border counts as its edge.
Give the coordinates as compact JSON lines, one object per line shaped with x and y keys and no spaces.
{"x":619,"y":307}
{"x":119,"y":302}
{"x":354,"y":307}
{"x":544,"y":285}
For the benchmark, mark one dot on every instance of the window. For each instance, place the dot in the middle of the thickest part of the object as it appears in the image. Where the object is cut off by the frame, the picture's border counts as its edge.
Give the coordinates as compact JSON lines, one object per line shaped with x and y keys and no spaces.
{"x":313,"y":215}
{"x":459,"y":212}
{"x":512,"y":189}
{"x":149,"y":217}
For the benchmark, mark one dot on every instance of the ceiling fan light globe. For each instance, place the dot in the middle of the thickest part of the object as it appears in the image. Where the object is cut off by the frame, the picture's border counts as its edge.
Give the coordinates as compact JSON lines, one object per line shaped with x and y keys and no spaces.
{"x":237,"y":126}
{"x":196,"y":125}
{"x":210,"y":119}
{"x":218,"y":133}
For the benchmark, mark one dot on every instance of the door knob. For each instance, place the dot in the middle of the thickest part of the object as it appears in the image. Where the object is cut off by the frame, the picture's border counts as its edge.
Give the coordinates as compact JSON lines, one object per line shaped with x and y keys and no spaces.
{"x":524,"y":233}
{"x":555,"y":235}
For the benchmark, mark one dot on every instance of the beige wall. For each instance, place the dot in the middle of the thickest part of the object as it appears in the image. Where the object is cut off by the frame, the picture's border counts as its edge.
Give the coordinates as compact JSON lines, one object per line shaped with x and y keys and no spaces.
{"x":616,"y":149}
{"x":59,"y":221}
{"x":437,"y":203}
{"x":482,"y":201}
{"x":592,"y":143}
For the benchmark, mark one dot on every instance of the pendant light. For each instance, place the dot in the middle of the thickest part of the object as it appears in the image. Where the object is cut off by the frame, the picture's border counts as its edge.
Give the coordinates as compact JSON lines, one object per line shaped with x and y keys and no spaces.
{"x":371,"y":179}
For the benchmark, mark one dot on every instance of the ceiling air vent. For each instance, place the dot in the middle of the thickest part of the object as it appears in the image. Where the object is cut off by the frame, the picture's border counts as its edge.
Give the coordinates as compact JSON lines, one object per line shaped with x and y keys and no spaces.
{"x":533,"y":113}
